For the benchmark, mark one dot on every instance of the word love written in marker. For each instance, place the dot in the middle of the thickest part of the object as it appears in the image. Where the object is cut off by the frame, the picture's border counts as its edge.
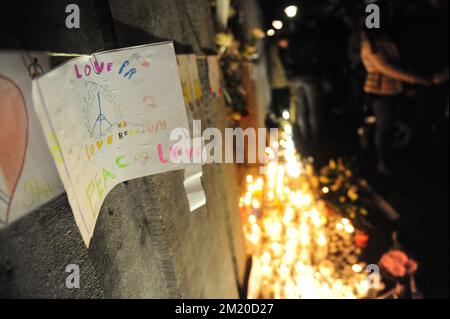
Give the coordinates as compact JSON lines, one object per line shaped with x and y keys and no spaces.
{"x":102,"y":182}
{"x":123,"y":135}
{"x":87,"y":69}
{"x":99,"y":68}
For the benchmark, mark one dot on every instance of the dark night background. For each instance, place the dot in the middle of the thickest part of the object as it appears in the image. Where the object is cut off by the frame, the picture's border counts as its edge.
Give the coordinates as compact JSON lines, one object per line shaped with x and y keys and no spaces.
{"x":419,"y":190}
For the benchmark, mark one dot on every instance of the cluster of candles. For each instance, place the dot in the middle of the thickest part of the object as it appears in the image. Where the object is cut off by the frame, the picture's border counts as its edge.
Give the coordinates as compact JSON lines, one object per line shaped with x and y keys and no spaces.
{"x":300,"y":248}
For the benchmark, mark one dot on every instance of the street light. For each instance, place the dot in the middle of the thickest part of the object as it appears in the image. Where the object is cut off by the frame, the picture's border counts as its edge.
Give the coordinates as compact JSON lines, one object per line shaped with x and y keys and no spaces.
{"x":277,"y":24}
{"x":291,"y":11}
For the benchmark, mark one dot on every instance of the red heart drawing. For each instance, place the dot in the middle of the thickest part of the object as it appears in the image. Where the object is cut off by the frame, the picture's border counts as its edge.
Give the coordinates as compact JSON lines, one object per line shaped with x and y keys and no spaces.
{"x":14,"y":126}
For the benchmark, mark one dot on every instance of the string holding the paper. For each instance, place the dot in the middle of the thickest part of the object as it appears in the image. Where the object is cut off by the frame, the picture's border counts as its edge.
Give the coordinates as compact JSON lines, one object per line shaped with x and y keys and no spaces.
{"x":32,"y":65}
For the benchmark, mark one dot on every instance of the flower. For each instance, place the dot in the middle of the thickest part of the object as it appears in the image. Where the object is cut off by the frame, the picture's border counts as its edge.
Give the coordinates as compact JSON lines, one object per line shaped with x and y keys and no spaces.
{"x":361,"y":239}
{"x":236,"y":116}
{"x":411,"y":266}
{"x":258,"y":34}
{"x":398,"y":264}
{"x":224,"y":39}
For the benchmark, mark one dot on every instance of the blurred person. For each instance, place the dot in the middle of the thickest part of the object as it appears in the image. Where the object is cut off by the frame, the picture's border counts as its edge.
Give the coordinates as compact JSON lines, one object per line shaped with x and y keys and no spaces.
{"x":307,"y":67}
{"x":384,"y":84}
{"x":278,"y":78}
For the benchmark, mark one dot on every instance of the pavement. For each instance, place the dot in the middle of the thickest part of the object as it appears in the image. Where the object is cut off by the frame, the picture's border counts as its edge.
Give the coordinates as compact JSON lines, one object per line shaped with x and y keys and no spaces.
{"x":418,"y":191}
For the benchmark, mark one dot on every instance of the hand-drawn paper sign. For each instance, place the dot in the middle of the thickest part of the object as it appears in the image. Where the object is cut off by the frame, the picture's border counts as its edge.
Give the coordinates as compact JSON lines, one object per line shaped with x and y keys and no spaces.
{"x":214,"y":75}
{"x":111,"y":114}
{"x":28,"y":177}
{"x":186,"y":83}
{"x":14,"y":125}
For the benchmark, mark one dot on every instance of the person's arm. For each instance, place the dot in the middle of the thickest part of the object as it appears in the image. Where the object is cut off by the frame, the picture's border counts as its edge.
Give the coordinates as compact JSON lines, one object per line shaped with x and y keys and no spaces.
{"x":391,"y":70}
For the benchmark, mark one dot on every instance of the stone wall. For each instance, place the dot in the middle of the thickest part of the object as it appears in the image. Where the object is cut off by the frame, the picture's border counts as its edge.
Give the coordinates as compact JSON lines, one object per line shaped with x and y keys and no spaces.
{"x":146,"y":244}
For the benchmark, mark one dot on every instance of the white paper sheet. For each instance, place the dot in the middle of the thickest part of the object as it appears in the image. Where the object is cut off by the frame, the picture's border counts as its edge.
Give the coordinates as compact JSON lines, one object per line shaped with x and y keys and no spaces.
{"x":193,"y":186}
{"x":186,"y":82}
{"x":28,"y":176}
{"x":214,"y":75}
{"x":193,"y":97}
{"x":195,"y":79}
{"x":111,"y":115}
{"x":190,"y":79}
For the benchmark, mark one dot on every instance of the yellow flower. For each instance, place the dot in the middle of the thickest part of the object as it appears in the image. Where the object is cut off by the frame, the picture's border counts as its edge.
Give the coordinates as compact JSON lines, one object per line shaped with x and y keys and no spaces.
{"x":231,"y":12}
{"x":236,"y":116}
{"x":250,"y":50}
{"x":258,"y":34}
{"x":224,"y":39}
